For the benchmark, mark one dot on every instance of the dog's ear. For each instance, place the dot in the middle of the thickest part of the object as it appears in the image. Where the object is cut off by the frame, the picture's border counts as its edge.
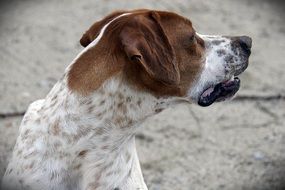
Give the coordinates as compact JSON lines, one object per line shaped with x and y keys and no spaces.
{"x":95,"y":29}
{"x":145,"y":42}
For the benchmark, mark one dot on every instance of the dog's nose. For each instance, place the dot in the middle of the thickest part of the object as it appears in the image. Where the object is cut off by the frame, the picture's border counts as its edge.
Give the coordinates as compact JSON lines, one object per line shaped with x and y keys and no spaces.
{"x":245,"y":43}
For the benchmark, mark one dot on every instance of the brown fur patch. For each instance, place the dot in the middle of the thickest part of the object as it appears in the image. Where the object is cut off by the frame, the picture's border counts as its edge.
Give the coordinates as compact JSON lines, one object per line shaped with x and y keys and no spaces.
{"x":153,"y":49}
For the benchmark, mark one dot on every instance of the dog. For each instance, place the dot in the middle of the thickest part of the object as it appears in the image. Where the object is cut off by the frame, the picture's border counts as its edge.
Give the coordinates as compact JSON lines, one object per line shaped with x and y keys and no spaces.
{"x":134,"y":64}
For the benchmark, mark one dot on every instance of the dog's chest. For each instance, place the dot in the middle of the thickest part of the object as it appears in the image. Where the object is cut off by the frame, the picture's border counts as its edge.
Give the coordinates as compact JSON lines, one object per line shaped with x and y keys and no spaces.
{"x":66,"y":142}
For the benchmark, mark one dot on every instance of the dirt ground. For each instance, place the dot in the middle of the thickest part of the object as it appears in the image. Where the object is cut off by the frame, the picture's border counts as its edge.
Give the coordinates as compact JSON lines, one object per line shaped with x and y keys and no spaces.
{"x":238,"y":145}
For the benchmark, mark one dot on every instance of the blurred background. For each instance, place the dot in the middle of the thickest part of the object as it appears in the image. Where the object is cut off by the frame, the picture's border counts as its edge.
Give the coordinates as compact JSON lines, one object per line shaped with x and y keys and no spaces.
{"x":238,"y":145}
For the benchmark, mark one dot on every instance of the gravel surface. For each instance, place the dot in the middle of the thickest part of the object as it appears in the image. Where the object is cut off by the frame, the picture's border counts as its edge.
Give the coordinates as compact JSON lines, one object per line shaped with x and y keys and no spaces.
{"x":238,"y":145}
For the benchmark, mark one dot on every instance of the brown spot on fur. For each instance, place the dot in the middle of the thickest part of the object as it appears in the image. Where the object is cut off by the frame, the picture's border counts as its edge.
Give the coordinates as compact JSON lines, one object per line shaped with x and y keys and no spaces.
{"x":119,"y":120}
{"x":31,"y":165}
{"x":120,"y":104}
{"x":54,"y":98}
{"x":89,"y":102}
{"x":77,"y":167}
{"x":85,"y":101}
{"x":99,"y":115}
{"x":55,"y":128}
{"x":27,"y":132}
{"x":82,"y":153}
{"x":57,"y":144}
{"x":130,"y":123}
{"x":91,"y":109}
{"x":121,"y":96}
{"x":158,"y":110}
{"x":45,"y":118}
{"x":64,"y":154}
{"x":30,"y":155}
{"x":93,"y":186}
{"x":53,"y":103}
{"x":102,"y":102}
{"x":99,"y":131}
{"x":105,"y":147}
{"x":139,"y":102}
{"x":128,"y":99}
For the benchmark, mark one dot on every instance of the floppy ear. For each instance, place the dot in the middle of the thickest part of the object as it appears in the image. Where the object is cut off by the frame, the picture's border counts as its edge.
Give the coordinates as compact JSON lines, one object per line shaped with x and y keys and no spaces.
{"x":95,"y":29}
{"x":145,"y":42}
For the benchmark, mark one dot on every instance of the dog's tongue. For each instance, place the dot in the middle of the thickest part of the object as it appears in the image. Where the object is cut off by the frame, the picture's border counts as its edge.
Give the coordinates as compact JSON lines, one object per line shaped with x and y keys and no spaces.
{"x":208,"y":92}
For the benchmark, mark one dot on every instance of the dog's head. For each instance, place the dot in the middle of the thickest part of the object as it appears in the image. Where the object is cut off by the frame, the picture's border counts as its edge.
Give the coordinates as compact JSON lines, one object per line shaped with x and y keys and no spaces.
{"x":160,"y":52}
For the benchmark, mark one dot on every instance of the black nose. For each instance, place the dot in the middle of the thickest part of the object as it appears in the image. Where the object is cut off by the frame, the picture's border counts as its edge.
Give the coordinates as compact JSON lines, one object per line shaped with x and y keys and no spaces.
{"x":245,"y":43}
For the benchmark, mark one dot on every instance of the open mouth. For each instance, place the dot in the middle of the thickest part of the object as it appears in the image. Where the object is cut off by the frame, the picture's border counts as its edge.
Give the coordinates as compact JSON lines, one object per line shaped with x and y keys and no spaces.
{"x":219,"y":92}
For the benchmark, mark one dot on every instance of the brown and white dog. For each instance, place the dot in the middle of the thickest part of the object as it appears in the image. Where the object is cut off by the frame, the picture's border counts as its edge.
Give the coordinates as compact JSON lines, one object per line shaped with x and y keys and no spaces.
{"x":134,"y":65}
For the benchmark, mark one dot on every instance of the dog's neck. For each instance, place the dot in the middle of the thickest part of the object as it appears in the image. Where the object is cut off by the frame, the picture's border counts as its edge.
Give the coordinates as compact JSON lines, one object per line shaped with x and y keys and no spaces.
{"x":103,"y":126}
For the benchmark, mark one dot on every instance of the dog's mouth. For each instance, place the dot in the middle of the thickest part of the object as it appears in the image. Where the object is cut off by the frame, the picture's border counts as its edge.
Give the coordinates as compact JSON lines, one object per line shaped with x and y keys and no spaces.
{"x":219,"y":92}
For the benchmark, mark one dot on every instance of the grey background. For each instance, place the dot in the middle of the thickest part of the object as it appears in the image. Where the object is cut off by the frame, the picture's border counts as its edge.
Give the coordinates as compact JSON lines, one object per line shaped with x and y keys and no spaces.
{"x":238,"y":145}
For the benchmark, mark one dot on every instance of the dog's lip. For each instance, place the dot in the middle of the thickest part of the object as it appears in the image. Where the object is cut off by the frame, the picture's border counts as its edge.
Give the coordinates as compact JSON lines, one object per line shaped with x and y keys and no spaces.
{"x":219,"y":92}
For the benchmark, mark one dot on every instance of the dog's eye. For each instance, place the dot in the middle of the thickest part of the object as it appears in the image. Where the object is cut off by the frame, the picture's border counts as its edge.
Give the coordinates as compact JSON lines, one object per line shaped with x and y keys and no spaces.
{"x":189,"y":41}
{"x":193,"y":39}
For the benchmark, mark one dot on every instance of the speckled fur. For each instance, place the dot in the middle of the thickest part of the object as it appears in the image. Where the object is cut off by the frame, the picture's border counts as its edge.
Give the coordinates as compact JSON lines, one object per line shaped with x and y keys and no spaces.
{"x":71,"y":142}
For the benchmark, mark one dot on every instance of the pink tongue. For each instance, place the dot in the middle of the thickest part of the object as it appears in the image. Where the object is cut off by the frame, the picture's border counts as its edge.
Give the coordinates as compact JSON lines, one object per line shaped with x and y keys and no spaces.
{"x":228,"y":82}
{"x":208,"y":92}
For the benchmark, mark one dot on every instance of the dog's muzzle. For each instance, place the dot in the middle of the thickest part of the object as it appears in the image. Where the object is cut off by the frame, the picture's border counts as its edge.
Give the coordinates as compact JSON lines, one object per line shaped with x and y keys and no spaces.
{"x":228,"y":88}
